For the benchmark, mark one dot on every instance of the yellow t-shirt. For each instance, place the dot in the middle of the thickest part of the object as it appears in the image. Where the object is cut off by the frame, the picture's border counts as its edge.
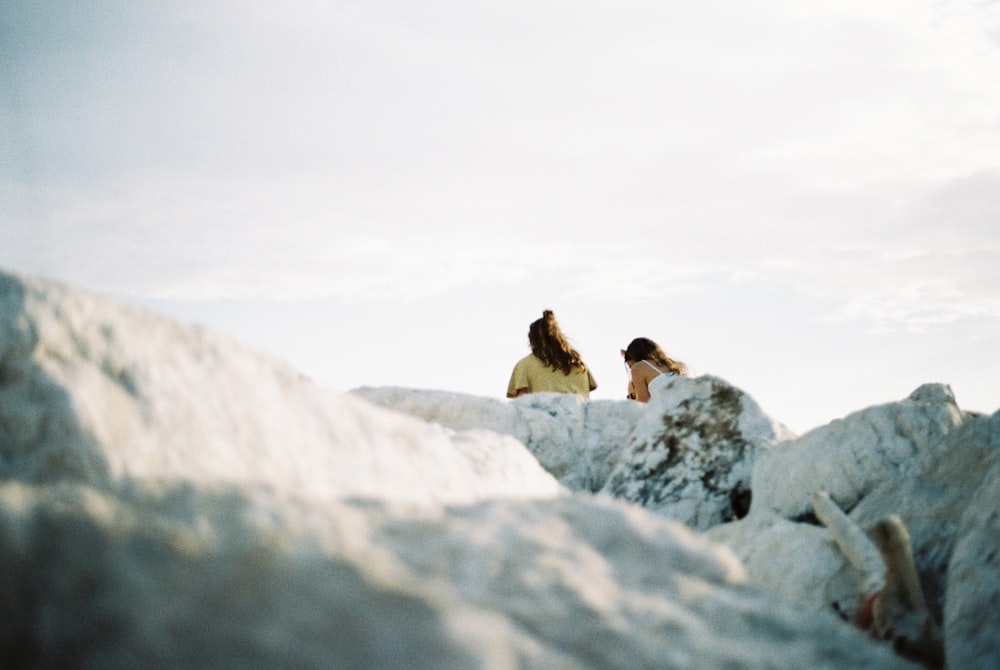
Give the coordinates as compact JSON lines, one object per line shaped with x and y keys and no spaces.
{"x":530,"y":373}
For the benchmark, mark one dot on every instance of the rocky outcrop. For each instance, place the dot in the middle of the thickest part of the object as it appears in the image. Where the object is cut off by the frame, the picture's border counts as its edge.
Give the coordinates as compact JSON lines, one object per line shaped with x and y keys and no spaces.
{"x":972,"y":603}
{"x":97,"y":392}
{"x":691,"y":455}
{"x":181,"y":576}
{"x":921,"y":459}
{"x":169,"y":498}
{"x":575,"y":440}
{"x":853,"y":456}
{"x":687,"y":454}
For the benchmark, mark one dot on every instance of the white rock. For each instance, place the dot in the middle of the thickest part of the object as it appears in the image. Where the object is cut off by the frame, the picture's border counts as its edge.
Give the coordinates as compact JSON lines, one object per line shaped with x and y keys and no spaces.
{"x":178,"y":577}
{"x":945,"y":478}
{"x":849,"y":457}
{"x":933,"y":495}
{"x":574,"y":439}
{"x":797,"y":562}
{"x":169,"y":498}
{"x":692,"y":453}
{"x":95,"y":391}
{"x":972,"y":609}
{"x":687,"y":454}
{"x":874,"y":462}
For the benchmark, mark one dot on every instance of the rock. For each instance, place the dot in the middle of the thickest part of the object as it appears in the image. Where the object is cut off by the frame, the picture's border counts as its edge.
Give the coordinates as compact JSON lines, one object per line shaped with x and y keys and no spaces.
{"x":171,"y":498}
{"x":929,"y":491}
{"x":972,"y":609}
{"x":692,"y":453}
{"x":921,"y":459}
{"x":575,"y":440}
{"x":934,"y":494}
{"x":798,"y":563}
{"x":181,"y":577}
{"x":97,"y":392}
{"x":850,"y":457}
{"x":687,"y":454}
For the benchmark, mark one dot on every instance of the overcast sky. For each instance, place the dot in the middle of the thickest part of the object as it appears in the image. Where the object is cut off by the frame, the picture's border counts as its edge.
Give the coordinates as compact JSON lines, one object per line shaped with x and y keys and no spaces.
{"x":800,"y":197}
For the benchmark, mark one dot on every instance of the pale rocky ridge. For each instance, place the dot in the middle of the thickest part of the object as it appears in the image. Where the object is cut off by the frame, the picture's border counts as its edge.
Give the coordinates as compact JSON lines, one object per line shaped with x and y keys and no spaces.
{"x":95,"y":392}
{"x":171,"y":498}
{"x":688,"y":454}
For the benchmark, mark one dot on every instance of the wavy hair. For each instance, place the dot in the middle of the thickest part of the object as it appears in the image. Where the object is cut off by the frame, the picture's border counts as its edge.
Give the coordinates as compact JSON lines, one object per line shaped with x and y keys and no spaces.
{"x":550,"y":346}
{"x":645,"y":349}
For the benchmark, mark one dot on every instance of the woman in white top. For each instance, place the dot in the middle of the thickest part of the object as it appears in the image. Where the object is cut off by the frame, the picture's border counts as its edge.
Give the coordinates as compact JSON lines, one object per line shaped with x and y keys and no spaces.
{"x":649,"y":368}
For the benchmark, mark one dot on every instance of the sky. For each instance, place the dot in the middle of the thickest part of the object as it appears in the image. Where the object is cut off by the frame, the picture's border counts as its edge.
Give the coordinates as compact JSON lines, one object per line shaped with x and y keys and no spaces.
{"x":800,"y":198}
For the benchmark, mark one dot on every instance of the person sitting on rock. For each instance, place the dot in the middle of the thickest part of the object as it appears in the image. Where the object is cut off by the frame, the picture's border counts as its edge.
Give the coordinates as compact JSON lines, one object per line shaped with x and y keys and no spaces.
{"x":552,"y":366}
{"x":649,"y":368}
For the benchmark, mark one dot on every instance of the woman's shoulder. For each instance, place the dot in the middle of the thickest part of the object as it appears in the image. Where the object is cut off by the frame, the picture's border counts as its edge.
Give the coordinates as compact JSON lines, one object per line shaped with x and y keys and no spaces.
{"x":643,"y":370}
{"x":650,"y":367}
{"x":531,"y":361}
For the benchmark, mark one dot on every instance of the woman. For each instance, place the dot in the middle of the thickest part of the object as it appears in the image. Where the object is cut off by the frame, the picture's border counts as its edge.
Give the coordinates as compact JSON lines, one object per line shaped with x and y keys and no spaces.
{"x":649,"y":368}
{"x":552,"y":366}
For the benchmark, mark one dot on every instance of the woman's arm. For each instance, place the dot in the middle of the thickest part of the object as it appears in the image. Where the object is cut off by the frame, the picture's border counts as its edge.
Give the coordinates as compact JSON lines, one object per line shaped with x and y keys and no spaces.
{"x":640,"y":383}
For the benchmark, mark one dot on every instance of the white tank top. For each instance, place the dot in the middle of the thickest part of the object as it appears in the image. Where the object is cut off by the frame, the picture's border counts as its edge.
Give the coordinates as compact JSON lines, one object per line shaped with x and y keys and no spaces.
{"x":660,"y":380}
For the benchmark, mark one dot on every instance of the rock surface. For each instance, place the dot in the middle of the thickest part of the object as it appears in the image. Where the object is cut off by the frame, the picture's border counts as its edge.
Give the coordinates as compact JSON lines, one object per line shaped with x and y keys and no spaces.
{"x":692,"y":452}
{"x":181,"y":577}
{"x":95,"y":391}
{"x":972,"y":607}
{"x":920,"y":458}
{"x":577,"y":441}
{"x":169,"y":498}
{"x":850,"y":457}
{"x":687,"y":454}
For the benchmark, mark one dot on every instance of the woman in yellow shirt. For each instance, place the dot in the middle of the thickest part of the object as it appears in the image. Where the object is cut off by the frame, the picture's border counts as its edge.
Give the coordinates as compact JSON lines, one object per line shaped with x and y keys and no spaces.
{"x":552,"y":366}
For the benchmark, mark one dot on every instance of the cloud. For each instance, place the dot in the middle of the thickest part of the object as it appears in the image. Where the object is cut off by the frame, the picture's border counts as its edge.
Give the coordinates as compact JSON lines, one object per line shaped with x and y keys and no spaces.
{"x":628,"y":149}
{"x":917,"y":307}
{"x":395,"y":89}
{"x":887,"y":289}
{"x":626,"y":279}
{"x":960,"y":212}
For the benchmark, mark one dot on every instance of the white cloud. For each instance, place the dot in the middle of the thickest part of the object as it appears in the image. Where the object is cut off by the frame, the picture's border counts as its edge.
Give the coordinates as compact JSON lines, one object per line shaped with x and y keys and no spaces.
{"x":917,"y":307}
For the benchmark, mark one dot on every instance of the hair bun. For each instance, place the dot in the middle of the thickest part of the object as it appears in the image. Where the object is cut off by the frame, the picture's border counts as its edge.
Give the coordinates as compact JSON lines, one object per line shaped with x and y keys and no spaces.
{"x":548,"y":314}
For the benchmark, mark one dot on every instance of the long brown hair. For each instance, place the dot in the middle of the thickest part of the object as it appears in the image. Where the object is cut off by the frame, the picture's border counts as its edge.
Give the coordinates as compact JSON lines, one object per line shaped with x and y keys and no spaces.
{"x":645,"y":349}
{"x":549,"y":345}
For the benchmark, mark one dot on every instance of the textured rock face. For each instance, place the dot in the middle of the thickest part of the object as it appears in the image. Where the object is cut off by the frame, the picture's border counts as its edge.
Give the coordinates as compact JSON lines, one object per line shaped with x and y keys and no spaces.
{"x":687,"y":454}
{"x":921,"y":458}
{"x":926,"y":461}
{"x":796,"y":562}
{"x":575,"y":440}
{"x":169,"y":498}
{"x":185,"y":578}
{"x":95,"y":392}
{"x":972,"y":608}
{"x":935,"y":495}
{"x":691,"y":455}
{"x":850,"y":457}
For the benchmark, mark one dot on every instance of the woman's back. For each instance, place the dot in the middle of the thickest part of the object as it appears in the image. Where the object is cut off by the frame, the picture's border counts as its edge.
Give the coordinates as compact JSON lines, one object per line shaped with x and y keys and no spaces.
{"x":534,"y":376}
{"x":650,"y":369}
{"x":553,"y":365}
